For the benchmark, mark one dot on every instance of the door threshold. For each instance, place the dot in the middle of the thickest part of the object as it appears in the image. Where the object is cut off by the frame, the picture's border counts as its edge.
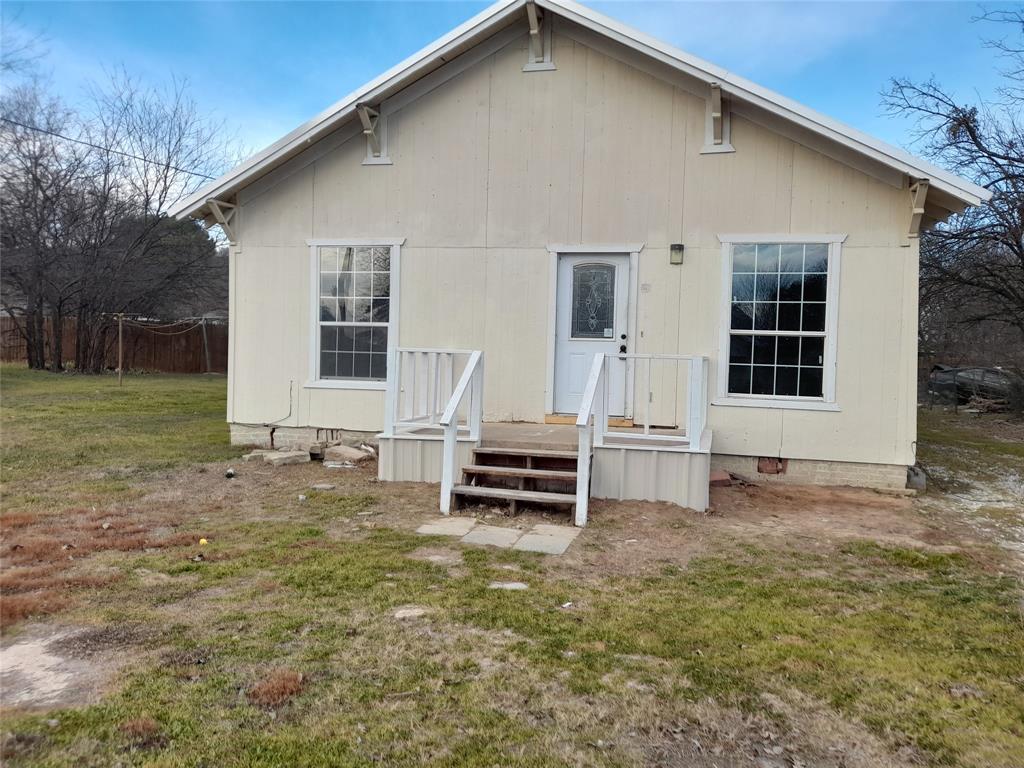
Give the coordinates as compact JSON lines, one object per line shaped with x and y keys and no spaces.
{"x":570,"y":418}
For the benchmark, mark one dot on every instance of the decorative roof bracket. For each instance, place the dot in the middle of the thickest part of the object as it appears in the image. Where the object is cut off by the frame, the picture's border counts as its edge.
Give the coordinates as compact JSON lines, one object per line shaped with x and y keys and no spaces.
{"x":369,"y":117}
{"x":224,"y":212}
{"x":918,"y":196}
{"x":536,"y":40}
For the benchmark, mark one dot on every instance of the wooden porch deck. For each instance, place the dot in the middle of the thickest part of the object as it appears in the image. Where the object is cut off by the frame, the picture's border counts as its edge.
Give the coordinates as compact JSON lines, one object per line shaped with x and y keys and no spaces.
{"x":552,"y":437}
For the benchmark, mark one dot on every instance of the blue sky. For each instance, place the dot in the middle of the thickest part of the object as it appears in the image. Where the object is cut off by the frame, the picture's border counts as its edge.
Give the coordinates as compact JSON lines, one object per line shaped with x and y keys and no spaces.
{"x":265,"y":67}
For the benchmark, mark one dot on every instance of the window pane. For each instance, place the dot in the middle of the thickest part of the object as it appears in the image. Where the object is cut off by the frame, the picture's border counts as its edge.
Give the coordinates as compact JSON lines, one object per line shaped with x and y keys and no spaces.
{"x":743,"y":316}
{"x":764,"y":350}
{"x":786,"y":380}
{"x":381,"y":284}
{"x":814,"y":287}
{"x":380,"y":310}
{"x":767,"y":288}
{"x":361,"y":310}
{"x":816,"y":258}
{"x":768,"y":257}
{"x":593,"y":301}
{"x":362,"y":261}
{"x":346,"y":339}
{"x":814,"y":317}
{"x":345,"y":260}
{"x":345,"y":312}
{"x":361,"y":366}
{"x":329,"y":285}
{"x":328,"y":338}
{"x":362,"y":338}
{"x":328,"y":365}
{"x":743,"y":258}
{"x":328,"y":310}
{"x":789,"y":350}
{"x":810,"y":382}
{"x":378,"y":366}
{"x":792,"y":258}
{"x":361,"y":284}
{"x":741,"y":349}
{"x":763,"y":382}
{"x":345,"y":284}
{"x":328,"y":259}
{"x":345,"y":365}
{"x":379,"y":339}
{"x":789,"y":287}
{"x":812,"y":351}
{"x":764,"y":317}
{"x":381,"y":259}
{"x":789,"y":317}
{"x":743,"y":288}
{"x":739,"y":379}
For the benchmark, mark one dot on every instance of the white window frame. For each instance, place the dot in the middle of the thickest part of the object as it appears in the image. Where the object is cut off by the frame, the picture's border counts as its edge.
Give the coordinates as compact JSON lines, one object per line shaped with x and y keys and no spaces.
{"x":792,"y":402}
{"x":395,"y":244}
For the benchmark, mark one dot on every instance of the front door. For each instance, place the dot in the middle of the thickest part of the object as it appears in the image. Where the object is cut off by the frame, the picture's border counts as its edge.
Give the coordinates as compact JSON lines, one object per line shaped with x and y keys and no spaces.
{"x":590,"y":317}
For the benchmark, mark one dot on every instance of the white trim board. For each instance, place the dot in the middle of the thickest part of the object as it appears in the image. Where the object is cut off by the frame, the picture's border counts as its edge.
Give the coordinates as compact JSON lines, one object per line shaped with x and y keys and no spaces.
{"x":511,"y":12}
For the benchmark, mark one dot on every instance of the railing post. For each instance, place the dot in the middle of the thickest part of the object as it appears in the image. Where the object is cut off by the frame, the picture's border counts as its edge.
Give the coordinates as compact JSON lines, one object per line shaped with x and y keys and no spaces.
{"x":448,"y":466}
{"x":583,"y":474}
{"x":601,"y":406}
{"x":476,"y":402}
{"x":391,"y":394}
{"x":695,"y":413}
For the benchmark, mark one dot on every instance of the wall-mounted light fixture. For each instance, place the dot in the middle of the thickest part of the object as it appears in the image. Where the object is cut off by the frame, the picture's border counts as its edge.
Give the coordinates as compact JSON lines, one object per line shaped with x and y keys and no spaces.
{"x":675,"y":253}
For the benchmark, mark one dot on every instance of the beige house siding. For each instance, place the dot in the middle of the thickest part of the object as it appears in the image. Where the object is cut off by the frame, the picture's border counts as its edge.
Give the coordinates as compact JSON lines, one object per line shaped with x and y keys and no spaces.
{"x":495,"y":165}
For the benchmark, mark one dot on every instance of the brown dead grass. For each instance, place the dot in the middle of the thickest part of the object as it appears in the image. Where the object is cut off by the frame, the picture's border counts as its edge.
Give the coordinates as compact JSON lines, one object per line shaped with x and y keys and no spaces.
{"x":276,"y":688}
{"x":141,"y":732}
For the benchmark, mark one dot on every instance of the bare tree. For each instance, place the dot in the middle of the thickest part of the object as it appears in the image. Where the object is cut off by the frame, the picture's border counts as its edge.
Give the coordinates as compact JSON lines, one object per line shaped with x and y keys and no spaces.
{"x":84,"y":203}
{"x":973,"y":265}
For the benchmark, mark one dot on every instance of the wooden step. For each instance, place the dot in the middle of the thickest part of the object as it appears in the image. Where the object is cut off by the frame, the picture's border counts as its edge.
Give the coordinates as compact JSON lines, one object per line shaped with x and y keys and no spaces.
{"x":536,"y":497}
{"x":547,"y":474}
{"x":538,"y":452}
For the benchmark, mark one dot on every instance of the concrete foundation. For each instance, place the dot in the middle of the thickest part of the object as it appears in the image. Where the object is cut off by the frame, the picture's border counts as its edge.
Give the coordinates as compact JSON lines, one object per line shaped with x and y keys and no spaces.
{"x":812,"y":472}
{"x":297,"y":438}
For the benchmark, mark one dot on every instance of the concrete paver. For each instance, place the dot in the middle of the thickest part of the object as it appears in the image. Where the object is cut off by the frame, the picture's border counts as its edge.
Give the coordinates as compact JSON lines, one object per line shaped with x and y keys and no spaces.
{"x":447,"y":526}
{"x":493,"y":536}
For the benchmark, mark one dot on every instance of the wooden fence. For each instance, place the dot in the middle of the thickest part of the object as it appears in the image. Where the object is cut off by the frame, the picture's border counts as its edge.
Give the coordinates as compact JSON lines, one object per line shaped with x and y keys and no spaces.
{"x":178,"y":348}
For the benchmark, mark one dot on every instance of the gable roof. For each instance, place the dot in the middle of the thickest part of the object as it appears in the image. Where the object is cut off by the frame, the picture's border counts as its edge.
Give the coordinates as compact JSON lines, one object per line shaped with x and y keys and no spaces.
{"x":506,"y":12}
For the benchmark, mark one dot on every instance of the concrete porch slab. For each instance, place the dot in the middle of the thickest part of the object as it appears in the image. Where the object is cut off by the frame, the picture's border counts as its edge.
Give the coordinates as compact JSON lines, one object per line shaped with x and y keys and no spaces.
{"x":447,"y":526}
{"x":492,"y":536}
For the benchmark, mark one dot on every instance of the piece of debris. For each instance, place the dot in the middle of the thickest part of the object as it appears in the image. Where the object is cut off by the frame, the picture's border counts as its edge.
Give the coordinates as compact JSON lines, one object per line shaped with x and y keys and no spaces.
{"x":203,"y":542}
{"x":368,"y":449}
{"x":282,"y":458}
{"x":339,"y":465}
{"x":198,"y":558}
{"x":230,"y":473}
{"x":567,"y":605}
{"x":105,"y":526}
{"x":302,"y":498}
{"x":917,"y":480}
{"x":257,"y":455}
{"x":344,"y":453}
{"x":410,"y":613}
{"x":323,"y":487}
{"x":720,"y":479}
{"x":512,"y":586}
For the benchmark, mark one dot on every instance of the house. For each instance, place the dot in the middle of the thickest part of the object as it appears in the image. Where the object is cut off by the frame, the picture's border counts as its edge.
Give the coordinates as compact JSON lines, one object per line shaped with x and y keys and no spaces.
{"x":550,"y":252}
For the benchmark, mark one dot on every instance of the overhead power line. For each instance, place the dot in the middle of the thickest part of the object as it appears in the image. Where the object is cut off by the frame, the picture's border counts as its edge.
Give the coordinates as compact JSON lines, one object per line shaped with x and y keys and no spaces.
{"x":105,"y":149}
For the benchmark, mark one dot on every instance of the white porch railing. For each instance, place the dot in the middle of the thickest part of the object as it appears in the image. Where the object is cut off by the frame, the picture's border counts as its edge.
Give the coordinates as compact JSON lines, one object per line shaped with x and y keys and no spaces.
{"x":594,"y":405}
{"x":420,"y":384}
{"x":470,"y":383}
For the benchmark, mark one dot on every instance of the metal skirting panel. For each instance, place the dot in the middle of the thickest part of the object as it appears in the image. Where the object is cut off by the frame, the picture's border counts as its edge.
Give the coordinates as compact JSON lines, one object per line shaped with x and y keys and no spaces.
{"x":417,"y":461}
{"x":674,"y":476}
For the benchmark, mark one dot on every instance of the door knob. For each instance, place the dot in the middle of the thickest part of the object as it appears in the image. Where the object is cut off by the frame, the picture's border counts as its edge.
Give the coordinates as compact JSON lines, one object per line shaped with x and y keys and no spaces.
{"x":622,"y":349}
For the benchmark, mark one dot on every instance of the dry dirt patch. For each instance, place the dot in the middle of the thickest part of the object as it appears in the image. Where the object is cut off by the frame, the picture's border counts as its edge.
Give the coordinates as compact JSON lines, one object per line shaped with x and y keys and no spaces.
{"x":52,"y":666}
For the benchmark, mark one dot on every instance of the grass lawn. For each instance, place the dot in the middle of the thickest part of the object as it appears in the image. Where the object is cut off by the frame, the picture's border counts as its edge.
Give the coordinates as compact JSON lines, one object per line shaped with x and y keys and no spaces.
{"x":663,"y":638}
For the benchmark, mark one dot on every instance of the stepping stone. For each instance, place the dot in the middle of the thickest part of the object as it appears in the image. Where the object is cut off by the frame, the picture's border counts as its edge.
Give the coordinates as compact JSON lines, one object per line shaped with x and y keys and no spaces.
{"x":547,"y":539}
{"x":281,"y":458}
{"x":447,"y":526}
{"x":511,"y":586}
{"x":410,"y":613}
{"x":492,"y":536}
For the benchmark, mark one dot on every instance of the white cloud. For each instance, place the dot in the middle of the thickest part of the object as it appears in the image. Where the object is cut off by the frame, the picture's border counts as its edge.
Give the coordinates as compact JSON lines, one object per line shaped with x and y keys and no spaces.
{"x":755,"y":40}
